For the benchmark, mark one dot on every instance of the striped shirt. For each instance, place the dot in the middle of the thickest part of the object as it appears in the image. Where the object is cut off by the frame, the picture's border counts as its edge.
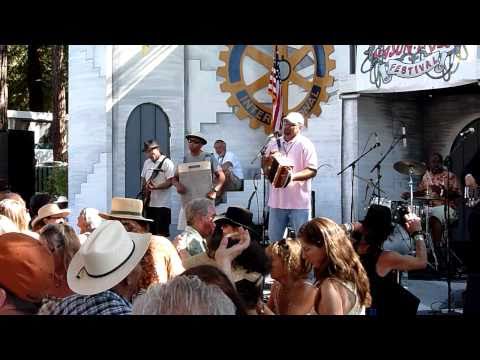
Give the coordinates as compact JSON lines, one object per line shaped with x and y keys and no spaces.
{"x":104,"y":303}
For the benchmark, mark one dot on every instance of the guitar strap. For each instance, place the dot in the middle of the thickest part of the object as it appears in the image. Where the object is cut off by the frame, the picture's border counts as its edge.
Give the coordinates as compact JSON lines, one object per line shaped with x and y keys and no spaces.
{"x":157,"y":170}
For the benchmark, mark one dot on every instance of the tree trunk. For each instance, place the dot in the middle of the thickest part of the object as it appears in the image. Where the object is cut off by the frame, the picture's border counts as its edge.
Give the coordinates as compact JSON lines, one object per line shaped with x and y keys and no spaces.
{"x":3,"y":88}
{"x":34,"y":79}
{"x":59,"y":138}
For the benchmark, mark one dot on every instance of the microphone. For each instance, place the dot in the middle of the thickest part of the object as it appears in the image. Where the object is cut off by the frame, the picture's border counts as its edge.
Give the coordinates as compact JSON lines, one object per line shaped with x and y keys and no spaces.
{"x":404,"y":136}
{"x":277,"y":137}
{"x":261,"y":152}
{"x":377,"y":143}
{"x":466,"y":132}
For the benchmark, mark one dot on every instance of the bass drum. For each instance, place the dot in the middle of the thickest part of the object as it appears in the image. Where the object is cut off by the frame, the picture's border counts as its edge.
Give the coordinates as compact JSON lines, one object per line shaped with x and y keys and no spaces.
{"x":399,"y":241}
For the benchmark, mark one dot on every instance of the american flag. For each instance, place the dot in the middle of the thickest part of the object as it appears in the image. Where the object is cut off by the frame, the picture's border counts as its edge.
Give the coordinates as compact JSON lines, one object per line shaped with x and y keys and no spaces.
{"x":275,"y":91}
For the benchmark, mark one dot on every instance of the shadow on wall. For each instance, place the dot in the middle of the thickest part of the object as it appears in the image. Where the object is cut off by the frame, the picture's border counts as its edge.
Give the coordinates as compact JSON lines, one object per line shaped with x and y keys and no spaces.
{"x":129,"y":74}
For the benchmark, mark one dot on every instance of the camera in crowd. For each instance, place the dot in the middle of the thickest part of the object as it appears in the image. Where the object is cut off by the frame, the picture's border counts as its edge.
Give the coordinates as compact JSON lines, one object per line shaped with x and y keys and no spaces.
{"x":399,"y":212}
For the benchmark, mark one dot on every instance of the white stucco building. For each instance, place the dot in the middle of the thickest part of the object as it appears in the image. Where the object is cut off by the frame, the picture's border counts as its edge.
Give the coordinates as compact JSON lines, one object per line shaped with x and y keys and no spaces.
{"x":108,"y":85}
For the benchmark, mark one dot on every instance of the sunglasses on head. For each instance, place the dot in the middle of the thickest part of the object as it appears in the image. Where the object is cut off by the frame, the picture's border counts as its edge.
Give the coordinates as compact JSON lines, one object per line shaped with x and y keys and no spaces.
{"x":283,"y":244}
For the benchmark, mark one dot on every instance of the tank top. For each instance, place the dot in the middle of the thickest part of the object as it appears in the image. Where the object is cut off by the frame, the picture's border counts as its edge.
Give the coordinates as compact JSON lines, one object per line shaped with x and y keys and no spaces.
{"x":357,"y":308}
{"x":379,"y":286}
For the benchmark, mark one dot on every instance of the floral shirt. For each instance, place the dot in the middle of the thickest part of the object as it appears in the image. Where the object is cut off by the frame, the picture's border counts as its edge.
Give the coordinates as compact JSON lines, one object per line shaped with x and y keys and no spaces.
{"x":440,"y":179}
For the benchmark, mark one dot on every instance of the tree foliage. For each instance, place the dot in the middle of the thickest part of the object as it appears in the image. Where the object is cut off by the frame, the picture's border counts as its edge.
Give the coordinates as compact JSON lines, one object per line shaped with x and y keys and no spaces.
{"x":18,"y":84}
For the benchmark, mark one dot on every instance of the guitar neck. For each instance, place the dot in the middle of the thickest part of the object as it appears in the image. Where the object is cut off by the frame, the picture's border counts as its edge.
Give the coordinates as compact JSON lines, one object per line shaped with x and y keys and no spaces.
{"x":472,"y":196}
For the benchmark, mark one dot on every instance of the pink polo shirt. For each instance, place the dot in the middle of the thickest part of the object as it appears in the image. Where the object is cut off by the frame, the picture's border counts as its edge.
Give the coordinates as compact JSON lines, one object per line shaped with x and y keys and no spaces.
{"x":301,"y":153}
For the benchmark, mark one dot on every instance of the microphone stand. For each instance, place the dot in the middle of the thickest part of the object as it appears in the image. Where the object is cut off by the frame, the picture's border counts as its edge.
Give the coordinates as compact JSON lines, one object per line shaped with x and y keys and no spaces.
{"x":352,"y":165}
{"x":261,"y":153}
{"x":378,"y":164}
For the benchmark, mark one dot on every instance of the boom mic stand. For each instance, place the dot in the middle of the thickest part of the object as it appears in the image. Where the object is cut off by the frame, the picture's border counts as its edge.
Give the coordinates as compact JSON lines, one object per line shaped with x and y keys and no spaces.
{"x":352,"y":165}
{"x":378,"y":164}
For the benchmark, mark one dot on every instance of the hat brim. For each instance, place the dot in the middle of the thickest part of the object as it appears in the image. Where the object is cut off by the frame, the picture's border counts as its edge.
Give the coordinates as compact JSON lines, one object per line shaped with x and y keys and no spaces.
{"x":293,"y":122}
{"x":87,"y":285}
{"x":150,"y":148}
{"x":129,"y":217}
{"x":204,"y":142}
{"x":63,"y":212}
{"x":223,"y":218}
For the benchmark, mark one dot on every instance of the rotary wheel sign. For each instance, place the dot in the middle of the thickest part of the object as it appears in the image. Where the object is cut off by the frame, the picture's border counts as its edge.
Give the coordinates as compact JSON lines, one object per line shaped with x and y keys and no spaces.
{"x":305,"y":72}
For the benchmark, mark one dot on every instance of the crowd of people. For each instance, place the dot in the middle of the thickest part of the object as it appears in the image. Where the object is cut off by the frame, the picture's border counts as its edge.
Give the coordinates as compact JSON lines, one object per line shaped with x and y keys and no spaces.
{"x":125,"y":262}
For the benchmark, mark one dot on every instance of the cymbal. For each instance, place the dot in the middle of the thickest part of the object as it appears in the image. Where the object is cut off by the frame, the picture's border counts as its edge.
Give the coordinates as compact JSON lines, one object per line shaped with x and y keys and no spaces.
{"x":404,"y":167}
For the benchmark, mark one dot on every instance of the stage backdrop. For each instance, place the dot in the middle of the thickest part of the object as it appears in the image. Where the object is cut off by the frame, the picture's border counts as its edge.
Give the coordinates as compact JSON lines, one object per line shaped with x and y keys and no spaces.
{"x":394,"y":68}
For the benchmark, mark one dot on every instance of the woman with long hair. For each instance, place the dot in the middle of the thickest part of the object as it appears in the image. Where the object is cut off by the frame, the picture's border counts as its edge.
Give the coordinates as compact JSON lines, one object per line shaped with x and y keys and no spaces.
{"x":383,"y":265}
{"x":291,"y":293}
{"x":63,"y":243}
{"x":15,"y":210}
{"x":342,"y":282}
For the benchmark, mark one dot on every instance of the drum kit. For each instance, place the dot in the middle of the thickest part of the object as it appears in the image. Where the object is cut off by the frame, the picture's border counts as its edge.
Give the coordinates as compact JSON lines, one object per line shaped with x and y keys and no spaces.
{"x":399,"y":240}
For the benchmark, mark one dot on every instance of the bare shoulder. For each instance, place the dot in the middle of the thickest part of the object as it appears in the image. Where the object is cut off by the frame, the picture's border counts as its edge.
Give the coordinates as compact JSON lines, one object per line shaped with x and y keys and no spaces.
{"x":328,"y":286}
{"x":162,"y":244}
{"x":307,"y":293}
{"x":161,"y":240}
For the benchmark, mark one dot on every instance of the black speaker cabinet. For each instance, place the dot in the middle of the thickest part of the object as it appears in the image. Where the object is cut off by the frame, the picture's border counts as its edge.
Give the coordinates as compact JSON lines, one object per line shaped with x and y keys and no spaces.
{"x":17,"y":162}
{"x":472,"y":295}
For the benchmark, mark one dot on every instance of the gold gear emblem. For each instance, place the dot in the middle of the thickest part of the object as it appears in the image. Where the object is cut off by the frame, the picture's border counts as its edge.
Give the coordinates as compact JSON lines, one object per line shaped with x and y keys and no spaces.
{"x":307,"y":68}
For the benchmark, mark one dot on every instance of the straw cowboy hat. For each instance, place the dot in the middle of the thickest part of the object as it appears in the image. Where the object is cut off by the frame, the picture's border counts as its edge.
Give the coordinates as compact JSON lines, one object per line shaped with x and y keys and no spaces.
{"x":107,"y":257}
{"x":125,"y":208}
{"x":197,"y":135}
{"x":50,"y":210}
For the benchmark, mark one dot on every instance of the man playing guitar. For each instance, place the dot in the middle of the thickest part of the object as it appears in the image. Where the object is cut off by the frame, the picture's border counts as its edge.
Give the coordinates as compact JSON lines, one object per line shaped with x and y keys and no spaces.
{"x":157,"y":169}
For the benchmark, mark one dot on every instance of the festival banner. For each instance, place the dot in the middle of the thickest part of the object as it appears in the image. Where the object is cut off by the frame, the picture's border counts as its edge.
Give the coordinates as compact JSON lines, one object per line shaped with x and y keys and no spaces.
{"x":396,"y":68}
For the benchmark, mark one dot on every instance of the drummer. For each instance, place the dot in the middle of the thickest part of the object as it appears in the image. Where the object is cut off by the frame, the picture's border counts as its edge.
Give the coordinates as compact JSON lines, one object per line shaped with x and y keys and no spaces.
{"x":433,"y":189}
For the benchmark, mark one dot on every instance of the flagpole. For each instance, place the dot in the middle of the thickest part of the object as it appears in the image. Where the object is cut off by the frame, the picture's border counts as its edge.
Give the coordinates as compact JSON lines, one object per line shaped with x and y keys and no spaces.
{"x":284,"y":55}
{"x":275,"y":62}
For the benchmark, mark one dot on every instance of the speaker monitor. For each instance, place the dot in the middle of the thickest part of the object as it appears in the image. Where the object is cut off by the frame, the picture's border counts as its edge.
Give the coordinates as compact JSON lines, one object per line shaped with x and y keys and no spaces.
{"x":17,"y":162}
{"x":472,"y":295}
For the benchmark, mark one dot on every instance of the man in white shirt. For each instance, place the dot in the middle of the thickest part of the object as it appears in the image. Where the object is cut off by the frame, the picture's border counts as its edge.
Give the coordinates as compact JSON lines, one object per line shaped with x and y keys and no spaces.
{"x":230,"y":166}
{"x":157,"y":170}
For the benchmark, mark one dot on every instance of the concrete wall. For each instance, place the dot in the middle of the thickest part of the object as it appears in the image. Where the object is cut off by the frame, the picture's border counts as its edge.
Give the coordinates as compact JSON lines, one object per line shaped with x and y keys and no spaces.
{"x":385,"y":114}
{"x":157,"y":77}
{"x":208,"y":112}
{"x":88,"y":129}
{"x":108,"y":82}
